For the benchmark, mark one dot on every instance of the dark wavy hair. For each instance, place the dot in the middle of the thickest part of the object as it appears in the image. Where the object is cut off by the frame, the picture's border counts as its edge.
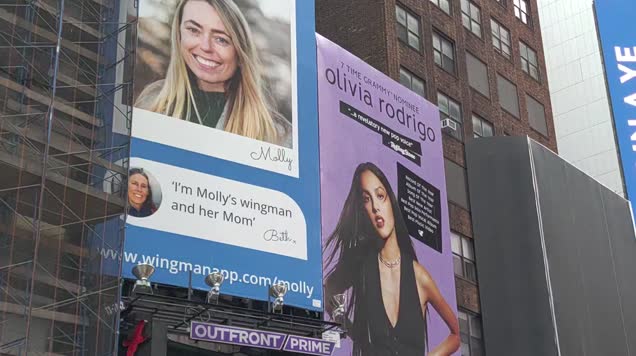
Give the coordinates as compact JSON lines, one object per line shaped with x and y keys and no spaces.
{"x":148,"y":204}
{"x":354,"y":239}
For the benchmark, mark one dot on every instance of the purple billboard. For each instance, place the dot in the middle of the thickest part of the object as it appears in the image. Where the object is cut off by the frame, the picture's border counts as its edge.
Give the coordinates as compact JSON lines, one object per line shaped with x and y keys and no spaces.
{"x":385,"y":228}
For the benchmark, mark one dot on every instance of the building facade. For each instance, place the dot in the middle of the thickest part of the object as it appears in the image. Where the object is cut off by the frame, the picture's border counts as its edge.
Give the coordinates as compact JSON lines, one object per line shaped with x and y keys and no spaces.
{"x":482,"y":62}
{"x":582,"y":113}
{"x":61,"y":176}
{"x":66,"y":68}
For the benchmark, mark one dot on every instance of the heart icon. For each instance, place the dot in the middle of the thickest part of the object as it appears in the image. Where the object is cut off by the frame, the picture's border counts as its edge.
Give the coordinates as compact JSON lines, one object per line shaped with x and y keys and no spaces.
{"x":421,"y":232}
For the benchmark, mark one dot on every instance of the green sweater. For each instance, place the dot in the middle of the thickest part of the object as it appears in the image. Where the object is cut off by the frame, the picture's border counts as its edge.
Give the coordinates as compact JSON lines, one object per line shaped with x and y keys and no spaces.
{"x":210,"y":106}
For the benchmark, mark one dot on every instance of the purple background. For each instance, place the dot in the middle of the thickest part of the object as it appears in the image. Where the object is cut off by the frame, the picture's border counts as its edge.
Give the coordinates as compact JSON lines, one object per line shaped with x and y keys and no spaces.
{"x":345,"y":143}
{"x":289,"y":347}
{"x":226,"y":337}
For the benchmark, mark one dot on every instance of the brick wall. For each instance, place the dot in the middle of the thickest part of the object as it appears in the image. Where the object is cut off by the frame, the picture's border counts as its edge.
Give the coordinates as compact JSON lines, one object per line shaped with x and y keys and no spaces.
{"x":367,"y":29}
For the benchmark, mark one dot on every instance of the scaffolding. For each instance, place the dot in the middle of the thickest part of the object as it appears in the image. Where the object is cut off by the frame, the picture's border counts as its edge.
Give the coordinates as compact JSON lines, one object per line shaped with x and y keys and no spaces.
{"x":66,"y":71}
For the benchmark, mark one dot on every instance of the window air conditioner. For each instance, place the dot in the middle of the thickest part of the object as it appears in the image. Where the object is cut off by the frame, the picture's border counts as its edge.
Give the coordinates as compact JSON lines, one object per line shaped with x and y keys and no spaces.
{"x":449,"y":125}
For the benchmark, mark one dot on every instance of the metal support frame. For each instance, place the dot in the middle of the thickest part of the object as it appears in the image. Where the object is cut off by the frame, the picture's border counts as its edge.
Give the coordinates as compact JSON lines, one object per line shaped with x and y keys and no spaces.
{"x":58,"y":86}
{"x":177,"y":313}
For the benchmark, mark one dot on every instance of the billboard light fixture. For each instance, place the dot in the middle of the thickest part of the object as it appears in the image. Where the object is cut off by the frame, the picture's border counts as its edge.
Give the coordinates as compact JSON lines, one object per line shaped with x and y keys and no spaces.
{"x":143,"y":271}
{"x":278,"y":291}
{"x":214,"y":281}
{"x":339,"y":301}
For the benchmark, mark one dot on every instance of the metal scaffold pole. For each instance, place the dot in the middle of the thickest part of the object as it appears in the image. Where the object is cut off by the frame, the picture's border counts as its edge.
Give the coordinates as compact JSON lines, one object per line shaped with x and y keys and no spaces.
{"x":65,"y":84}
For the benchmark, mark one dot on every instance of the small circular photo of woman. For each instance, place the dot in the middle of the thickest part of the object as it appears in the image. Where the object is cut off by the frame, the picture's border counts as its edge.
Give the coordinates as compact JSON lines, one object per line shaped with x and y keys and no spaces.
{"x":144,"y":193}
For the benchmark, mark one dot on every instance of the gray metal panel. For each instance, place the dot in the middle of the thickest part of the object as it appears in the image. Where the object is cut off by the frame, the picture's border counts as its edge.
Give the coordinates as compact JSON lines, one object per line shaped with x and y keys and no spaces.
{"x":536,"y":115}
{"x":623,"y":244}
{"x":508,"y":96}
{"x":580,"y":261}
{"x":589,"y":245}
{"x":456,"y":183}
{"x":477,"y":74}
{"x":514,"y":296}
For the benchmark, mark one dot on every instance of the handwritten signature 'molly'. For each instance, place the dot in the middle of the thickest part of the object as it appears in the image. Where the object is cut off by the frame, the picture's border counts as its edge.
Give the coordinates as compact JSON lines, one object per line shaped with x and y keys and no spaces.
{"x":279,"y":155}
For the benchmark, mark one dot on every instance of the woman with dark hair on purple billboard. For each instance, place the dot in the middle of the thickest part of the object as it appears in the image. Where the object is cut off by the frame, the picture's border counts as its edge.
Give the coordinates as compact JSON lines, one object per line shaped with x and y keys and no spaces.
{"x":372,"y":258}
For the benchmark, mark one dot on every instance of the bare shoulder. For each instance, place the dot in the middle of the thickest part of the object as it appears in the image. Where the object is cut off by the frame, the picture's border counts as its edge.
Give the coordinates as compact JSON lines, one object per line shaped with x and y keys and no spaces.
{"x":147,"y":96}
{"x":423,"y":278}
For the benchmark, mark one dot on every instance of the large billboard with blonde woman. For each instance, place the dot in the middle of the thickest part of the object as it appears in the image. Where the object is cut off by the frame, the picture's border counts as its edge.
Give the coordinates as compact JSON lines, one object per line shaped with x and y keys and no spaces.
{"x":387,"y":259}
{"x":224,"y":153}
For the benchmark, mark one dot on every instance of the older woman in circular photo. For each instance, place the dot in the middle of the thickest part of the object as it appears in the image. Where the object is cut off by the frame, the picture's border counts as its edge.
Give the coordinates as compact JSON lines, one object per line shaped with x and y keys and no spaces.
{"x":140,"y":203}
{"x":214,"y":75}
{"x":372,"y":258}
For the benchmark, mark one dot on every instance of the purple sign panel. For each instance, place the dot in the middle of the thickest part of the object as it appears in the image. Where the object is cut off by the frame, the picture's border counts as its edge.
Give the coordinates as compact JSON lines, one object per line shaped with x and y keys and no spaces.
{"x":236,"y":336}
{"x":309,"y":346}
{"x":385,"y":228}
{"x":260,"y":339}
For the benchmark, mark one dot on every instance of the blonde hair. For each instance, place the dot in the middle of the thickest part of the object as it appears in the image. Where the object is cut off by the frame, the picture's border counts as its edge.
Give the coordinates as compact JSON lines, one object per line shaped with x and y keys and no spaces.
{"x":249,"y":112}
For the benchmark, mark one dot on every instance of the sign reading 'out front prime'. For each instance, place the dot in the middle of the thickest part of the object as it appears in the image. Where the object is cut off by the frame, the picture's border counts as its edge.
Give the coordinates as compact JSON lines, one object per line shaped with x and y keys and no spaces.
{"x":224,"y":158}
{"x":260,"y":338}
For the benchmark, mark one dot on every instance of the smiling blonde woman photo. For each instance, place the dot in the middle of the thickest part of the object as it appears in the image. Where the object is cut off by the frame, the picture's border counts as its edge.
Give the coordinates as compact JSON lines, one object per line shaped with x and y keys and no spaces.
{"x":214,"y":76}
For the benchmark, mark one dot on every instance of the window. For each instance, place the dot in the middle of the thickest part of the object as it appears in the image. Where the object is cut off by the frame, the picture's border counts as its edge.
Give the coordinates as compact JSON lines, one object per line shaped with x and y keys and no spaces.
{"x":456,"y":186}
{"x":536,"y":115}
{"x":450,"y":109}
{"x":463,"y":257}
{"x":482,"y":128}
{"x":521,"y":10}
{"x":508,"y":98}
{"x":477,"y":75}
{"x":408,"y":27}
{"x":470,"y":334}
{"x":443,"y":4}
{"x":443,"y":53}
{"x":412,"y":82}
{"x":500,"y":38}
{"x":471,"y":17}
{"x":529,"y":62}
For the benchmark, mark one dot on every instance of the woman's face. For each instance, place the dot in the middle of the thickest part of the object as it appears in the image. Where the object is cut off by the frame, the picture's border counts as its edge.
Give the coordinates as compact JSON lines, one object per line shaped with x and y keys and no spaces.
{"x":377,"y":204}
{"x":137,"y":190}
{"x":206,"y":46}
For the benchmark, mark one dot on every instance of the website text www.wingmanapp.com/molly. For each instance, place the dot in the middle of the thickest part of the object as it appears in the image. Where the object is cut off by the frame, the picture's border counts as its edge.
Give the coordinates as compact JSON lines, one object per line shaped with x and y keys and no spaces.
{"x":174,"y":266}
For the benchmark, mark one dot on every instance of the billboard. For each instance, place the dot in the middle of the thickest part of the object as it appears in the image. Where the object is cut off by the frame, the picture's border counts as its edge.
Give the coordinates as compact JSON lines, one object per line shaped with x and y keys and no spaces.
{"x":618,"y":42}
{"x":224,"y":159}
{"x":385,"y":228}
{"x":261,"y":339}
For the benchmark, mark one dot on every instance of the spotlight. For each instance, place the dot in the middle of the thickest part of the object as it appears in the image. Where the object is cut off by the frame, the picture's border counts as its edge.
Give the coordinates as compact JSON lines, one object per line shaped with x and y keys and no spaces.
{"x":278,"y":291}
{"x":143,"y":272}
{"x":214,"y":281}
{"x":339,"y":301}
